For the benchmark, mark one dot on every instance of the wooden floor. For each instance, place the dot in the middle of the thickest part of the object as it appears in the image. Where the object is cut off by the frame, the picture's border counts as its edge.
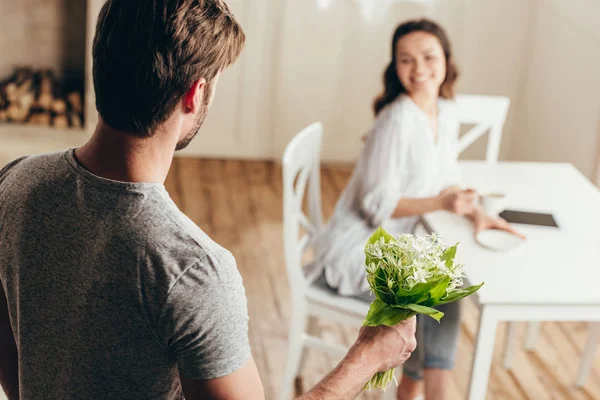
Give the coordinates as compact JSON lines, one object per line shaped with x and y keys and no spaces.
{"x":239,"y":204}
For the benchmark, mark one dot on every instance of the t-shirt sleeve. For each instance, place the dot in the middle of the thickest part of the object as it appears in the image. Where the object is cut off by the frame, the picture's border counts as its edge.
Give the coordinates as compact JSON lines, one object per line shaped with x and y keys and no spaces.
{"x":204,"y":321}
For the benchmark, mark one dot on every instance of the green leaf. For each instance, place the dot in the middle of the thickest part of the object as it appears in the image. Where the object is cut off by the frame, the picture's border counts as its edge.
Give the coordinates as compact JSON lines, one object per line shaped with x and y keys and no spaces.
{"x":422,"y":292}
{"x":379,"y":286}
{"x":419,"y":309}
{"x":382,"y":314}
{"x":458,"y":294}
{"x":380,"y":233}
{"x":449,"y":255}
{"x":417,"y":294}
{"x":438,"y":291}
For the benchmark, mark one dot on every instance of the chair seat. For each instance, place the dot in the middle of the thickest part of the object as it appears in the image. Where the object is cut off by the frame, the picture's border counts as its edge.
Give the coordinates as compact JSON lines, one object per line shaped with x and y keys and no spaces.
{"x":320,"y":292}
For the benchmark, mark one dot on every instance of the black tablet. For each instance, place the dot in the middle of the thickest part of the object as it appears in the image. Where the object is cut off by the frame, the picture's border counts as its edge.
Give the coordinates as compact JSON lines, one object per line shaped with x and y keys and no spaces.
{"x":528,"y":218}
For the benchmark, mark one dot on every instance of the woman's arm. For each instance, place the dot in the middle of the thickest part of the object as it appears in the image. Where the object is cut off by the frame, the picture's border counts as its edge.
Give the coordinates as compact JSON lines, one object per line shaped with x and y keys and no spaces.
{"x":452,"y":199}
{"x":408,"y":207}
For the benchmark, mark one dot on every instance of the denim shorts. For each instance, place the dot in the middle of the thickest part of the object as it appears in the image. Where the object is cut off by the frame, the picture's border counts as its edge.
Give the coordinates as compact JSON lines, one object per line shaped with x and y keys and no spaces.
{"x":436,"y":341}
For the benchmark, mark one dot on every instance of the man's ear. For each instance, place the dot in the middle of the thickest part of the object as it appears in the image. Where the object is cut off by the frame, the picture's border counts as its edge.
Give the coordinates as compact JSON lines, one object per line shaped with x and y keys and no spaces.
{"x":193,"y":99}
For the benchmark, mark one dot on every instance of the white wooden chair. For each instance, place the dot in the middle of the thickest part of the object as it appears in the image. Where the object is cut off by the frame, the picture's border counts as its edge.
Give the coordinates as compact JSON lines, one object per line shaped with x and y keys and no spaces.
{"x":488,"y":114}
{"x":311,"y":298}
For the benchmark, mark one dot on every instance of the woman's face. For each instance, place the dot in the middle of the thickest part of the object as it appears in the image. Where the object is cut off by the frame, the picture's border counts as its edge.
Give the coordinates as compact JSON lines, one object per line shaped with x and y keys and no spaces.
{"x":420,"y":63}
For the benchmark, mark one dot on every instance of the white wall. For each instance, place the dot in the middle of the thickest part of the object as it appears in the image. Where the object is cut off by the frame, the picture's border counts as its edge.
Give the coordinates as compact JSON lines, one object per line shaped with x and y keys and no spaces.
{"x":239,"y":122}
{"x":331,"y":63}
{"x":559,"y":106}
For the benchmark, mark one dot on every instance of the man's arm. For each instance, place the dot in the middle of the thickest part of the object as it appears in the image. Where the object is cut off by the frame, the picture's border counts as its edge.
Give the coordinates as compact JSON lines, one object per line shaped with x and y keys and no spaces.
{"x":346,"y":380}
{"x":9,"y":359}
{"x":377,"y":349}
{"x":244,"y":383}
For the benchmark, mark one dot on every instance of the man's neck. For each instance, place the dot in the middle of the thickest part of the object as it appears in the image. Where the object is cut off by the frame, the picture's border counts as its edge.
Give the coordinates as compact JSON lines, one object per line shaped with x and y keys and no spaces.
{"x":115,"y":155}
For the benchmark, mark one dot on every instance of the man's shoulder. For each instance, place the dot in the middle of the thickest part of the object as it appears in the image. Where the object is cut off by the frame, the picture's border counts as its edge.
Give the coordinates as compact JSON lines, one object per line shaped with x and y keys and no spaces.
{"x":4,"y":170}
{"x":179,"y":244}
{"x":30,"y":163}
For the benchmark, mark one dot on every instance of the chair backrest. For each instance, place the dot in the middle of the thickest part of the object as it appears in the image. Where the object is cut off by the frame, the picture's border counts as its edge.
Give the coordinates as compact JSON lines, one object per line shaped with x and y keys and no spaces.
{"x":301,"y":169}
{"x":487,"y":113}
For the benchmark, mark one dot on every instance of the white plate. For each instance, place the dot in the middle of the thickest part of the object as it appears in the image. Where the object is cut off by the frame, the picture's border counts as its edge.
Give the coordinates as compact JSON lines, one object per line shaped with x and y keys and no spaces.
{"x":498,"y":240}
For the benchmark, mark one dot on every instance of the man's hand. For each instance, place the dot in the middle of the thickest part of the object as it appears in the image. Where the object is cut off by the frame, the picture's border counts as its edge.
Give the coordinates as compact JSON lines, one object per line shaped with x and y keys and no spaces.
{"x":377,"y":349}
{"x":385,"y":347}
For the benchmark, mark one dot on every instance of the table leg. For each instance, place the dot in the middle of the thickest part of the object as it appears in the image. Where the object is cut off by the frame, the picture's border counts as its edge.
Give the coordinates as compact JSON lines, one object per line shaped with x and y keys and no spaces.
{"x":509,"y":345}
{"x":588,"y":353}
{"x":533,"y":333}
{"x":484,"y":350}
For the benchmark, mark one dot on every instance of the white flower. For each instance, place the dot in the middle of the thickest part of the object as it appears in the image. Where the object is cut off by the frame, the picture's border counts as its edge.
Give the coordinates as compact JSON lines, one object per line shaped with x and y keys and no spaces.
{"x":413,"y":259}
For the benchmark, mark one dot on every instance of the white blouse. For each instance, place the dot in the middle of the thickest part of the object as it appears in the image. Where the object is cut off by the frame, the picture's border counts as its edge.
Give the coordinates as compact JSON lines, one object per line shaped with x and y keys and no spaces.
{"x":400,"y":158}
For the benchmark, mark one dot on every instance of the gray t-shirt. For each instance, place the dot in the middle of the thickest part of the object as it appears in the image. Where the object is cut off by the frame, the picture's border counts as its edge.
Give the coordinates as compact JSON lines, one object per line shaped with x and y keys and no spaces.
{"x":111,"y":289}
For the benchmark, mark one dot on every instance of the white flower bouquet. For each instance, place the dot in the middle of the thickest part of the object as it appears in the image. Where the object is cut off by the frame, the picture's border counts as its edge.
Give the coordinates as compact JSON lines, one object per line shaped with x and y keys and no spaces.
{"x":409,"y":275}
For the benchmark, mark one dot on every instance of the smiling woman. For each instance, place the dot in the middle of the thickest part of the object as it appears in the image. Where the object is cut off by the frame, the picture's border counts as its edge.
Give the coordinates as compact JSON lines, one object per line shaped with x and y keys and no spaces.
{"x":407,"y":168}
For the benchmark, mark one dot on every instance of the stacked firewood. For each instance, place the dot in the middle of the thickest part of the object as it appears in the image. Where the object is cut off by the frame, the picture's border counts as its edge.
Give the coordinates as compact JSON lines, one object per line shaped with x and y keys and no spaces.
{"x":37,"y":98}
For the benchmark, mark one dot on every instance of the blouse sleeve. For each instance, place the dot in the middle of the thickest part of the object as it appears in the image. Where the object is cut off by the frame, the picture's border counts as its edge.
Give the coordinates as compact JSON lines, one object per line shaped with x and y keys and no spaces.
{"x":383,"y":166}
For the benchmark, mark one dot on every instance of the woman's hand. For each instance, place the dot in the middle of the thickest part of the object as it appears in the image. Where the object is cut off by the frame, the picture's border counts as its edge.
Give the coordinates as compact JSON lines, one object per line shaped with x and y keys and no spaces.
{"x":458,"y":201}
{"x":483,"y":222}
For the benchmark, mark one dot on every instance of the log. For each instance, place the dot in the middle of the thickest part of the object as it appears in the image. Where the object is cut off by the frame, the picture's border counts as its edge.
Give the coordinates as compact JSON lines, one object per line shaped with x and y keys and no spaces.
{"x":75,"y":120}
{"x":60,"y":121}
{"x":16,"y":91}
{"x":16,"y":113}
{"x":40,"y":118}
{"x":26,"y":101}
{"x":10,"y":91}
{"x":59,"y":106}
{"x":45,"y":97}
{"x":19,"y":83}
{"x":74,"y":99}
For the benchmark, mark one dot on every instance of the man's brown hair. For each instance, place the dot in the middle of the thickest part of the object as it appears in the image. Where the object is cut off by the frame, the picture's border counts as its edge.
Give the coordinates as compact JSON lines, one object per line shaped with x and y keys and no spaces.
{"x":148,"y":53}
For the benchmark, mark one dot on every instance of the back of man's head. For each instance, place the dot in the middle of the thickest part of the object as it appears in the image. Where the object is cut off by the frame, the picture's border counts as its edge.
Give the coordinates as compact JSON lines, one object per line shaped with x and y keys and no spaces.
{"x":147,"y":54}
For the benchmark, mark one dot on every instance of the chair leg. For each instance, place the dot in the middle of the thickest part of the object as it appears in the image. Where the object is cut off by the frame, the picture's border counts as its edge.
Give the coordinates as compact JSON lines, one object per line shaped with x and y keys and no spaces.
{"x":312,"y":328}
{"x":509,"y":345}
{"x":588,"y":353}
{"x":295,"y":348}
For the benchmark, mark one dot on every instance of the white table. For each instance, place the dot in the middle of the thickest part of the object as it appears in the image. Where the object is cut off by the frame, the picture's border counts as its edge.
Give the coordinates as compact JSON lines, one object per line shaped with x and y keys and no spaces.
{"x":553,"y":276}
